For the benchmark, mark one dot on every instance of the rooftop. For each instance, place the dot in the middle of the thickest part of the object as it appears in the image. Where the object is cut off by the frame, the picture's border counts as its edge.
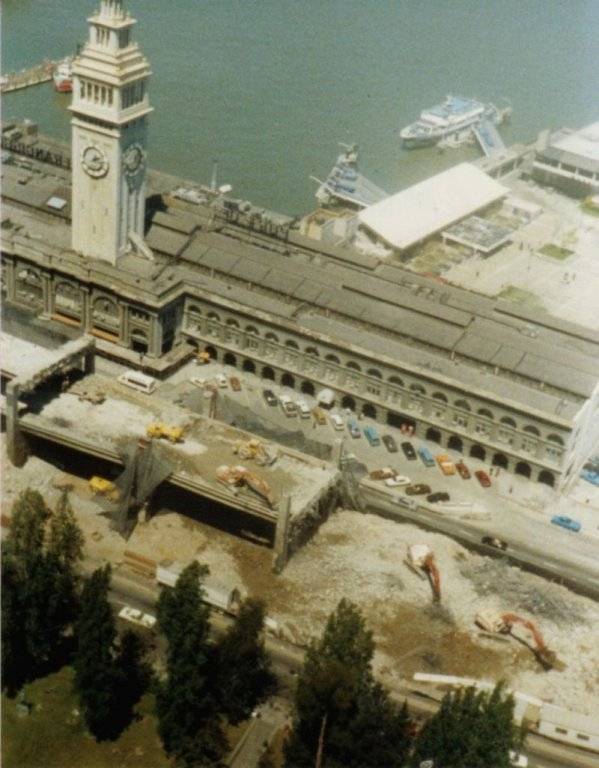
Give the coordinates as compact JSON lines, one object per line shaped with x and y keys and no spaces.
{"x":420,"y":211}
{"x":441,"y":332}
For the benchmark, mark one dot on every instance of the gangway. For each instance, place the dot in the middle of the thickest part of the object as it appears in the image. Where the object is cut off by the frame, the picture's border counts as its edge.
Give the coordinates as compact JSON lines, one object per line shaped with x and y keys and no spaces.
{"x":488,"y":137}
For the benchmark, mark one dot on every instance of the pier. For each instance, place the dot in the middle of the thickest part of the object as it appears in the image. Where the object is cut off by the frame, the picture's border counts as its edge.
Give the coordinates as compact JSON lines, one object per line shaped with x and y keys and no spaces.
{"x":16,"y":81}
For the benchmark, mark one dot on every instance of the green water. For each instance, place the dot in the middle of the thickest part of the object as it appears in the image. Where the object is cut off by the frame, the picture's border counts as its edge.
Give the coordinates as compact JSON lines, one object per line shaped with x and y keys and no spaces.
{"x":269,"y":87}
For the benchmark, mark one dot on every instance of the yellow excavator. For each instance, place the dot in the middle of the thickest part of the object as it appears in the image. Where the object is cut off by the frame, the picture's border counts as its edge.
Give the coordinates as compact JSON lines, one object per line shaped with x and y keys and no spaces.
{"x":255,"y":449}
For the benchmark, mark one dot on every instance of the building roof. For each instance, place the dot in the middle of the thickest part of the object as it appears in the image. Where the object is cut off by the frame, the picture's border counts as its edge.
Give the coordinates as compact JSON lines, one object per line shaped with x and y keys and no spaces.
{"x":577,"y":148}
{"x":420,"y":211}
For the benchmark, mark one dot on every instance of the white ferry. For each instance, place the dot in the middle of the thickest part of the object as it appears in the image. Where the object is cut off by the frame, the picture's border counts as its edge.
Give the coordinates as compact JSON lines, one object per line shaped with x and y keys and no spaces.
{"x":452,"y":121}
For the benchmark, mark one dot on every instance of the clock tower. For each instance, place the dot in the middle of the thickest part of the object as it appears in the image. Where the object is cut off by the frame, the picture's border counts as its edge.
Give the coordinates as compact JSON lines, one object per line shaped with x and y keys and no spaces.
{"x":110,"y":110}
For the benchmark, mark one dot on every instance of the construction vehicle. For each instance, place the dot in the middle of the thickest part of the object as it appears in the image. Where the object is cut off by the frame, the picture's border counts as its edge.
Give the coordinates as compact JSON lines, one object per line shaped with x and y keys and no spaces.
{"x":491,"y":621}
{"x":255,"y":449}
{"x":160,"y":430}
{"x":103,"y":487}
{"x":203,"y":358}
{"x":422,"y":558}
{"x":238,"y":476}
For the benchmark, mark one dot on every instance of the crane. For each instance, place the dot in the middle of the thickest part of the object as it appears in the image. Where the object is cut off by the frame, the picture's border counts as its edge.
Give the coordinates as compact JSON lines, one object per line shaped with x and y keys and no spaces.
{"x":503,"y":622}
{"x":421,"y":556}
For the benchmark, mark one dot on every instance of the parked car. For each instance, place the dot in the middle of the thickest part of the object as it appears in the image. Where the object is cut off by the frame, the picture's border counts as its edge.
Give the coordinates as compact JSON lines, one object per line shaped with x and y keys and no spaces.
{"x":463,"y":470}
{"x":382,"y":474}
{"x":419,"y":489}
{"x":354,"y":429}
{"x":221,"y":380}
{"x":434,"y":498}
{"x":426,"y":456}
{"x":566,"y":522}
{"x":493,"y":541}
{"x":288,"y":406}
{"x":408,"y":450}
{"x":336,"y":421}
{"x":270,"y":397}
{"x":389,"y":443}
{"x":395,"y":482}
{"x":303,"y":409}
{"x":235,"y":384}
{"x":483,"y":478}
{"x":372,"y":436}
{"x":446,"y":464}
{"x":319,"y":415}
{"x":136,"y":616}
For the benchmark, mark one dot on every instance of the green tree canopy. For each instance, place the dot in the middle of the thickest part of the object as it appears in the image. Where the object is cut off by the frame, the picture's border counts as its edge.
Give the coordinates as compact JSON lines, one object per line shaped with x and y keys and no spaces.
{"x":339,"y":704}
{"x":187,"y":704}
{"x":243,"y":668}
{"x":470,"y":728}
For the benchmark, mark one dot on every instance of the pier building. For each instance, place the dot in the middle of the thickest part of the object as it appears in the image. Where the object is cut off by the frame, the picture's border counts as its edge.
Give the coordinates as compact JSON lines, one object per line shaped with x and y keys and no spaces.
{"x":473,"y":373}
{"x":569,"y":160}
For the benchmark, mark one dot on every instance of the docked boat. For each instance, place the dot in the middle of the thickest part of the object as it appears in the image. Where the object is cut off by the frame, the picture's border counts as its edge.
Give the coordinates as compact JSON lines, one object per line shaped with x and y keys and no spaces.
{"x":452,"y":122}
{"x":63,"y":76}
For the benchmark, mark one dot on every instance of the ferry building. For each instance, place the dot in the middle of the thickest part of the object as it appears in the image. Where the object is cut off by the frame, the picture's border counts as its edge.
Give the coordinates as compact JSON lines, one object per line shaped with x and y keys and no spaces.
{"x":99,"y":243}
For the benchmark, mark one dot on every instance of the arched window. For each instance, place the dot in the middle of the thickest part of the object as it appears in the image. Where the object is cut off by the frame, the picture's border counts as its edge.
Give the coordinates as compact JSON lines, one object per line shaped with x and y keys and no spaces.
{"x":478,"y":452}
{"x":332,"y":359}
{"x":291,"y":344}
{"x":193,"y":309}
{"x":433,"y":435}
{"x":522,"y":468}
{"x":287,"y":380}
{"x":546,"y":477}
{"x":268,"y":373}
{"x":232,"y":323}
{"x":230,"y":359}
{"x":396,"y":380}
{"x":532,"y":430}
{"x":311,"y":351}
{"x":249,"y":366}
{"x":485,"y":413}
{"x":213,"y":316}
{"x":369,"y":410}
{"x":375,"y":373}
{"x":252,"y":329}
{"x":418,"y":389}
{"x":500,"y":460}
{"x":455,"y":444}
{"x":348,"y":402}
{"x":440,"y":396}
{"x":463,"y":405}
{"x":555,"y":439}
{"x":353,"y":366}
{"x":308,"y":388}
{"x":508,"y":422}
{"x":270,"y":336}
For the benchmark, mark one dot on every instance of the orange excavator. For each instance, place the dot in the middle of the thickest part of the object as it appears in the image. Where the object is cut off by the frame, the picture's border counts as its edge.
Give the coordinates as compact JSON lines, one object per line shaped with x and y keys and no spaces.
{"x":503,"y":622}
{"x":238,"y":476}
{"x":420,"y":556}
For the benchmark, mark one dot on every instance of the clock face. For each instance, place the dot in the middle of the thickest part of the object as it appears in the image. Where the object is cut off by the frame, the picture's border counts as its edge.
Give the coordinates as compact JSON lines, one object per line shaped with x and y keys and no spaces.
{"x":94,"y":161}
{"x":133,"y":158}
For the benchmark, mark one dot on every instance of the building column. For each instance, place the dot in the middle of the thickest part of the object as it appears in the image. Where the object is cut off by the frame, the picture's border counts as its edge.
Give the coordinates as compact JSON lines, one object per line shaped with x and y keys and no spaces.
{"x":155,"y":337}
{"x":16,"y":443}
{"x":123,"y":324}
{"x":86,"y":323}
{"x":10,"y":278}
{"x":282,"y":535}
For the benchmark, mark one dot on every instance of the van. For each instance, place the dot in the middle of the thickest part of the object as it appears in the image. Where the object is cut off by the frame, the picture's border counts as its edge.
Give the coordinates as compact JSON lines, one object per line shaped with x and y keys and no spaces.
{"x":372,"y":436}
{"x":304,"y":410}
{"x":138,"y":381}
{"x":426,"y":456}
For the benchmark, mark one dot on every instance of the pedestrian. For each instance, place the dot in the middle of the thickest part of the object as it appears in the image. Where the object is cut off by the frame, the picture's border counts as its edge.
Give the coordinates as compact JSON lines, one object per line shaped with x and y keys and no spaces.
{"x":511,"y":488}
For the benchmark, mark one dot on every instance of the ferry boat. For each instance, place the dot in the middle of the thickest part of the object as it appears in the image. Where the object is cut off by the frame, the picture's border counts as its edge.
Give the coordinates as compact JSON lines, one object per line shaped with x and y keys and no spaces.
{"x":452,"y":122}
{"x":63,"y":76}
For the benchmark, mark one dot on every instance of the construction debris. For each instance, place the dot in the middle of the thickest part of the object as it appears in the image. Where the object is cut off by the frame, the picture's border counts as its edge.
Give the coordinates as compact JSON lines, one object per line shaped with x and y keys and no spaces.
{"x":255,"y":449}
{"x":235,"y":477}
{"x":159,"y":430}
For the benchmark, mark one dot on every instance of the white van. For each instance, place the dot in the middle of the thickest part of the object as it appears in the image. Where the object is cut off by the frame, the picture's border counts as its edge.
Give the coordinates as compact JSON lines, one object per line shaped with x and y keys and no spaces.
{"x":303,"y":409}
{"x":138,"y":381}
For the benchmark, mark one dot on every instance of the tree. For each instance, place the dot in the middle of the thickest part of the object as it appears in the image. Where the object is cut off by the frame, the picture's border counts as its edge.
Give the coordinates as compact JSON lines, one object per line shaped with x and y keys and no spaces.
{"x":187,"y":704}
{"x":135,"y":676}
{"x":469,"y":729}
{"x":40,"y":584}
{"x":98,"y":677}
{"x":341,"y":707}
{"x":243,"y":668}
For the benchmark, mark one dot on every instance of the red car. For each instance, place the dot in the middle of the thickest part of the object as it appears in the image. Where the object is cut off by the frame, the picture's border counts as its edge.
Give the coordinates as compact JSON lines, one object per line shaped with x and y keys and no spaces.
{"x":483,"y":478}
{"x":463,"y":470}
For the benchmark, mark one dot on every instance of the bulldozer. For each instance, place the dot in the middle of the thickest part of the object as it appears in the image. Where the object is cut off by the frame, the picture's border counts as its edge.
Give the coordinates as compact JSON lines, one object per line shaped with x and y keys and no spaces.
{"x":255,"y":449}
{"x":238,"y":476}
{"x":160,"y":430}
{"x":490,"y":621}
{"x":421,"y":558}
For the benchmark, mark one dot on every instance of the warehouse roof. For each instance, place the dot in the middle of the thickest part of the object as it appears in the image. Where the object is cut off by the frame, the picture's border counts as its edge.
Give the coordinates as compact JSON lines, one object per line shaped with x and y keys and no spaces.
{"x":420,"y":211}
{"x":577,"y":148}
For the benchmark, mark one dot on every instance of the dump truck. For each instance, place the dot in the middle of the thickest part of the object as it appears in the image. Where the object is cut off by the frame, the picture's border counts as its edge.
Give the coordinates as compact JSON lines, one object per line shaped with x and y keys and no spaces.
{"x":238,"y":476}
{"x":160,"y":430}
{"x":491,"y":621}
{"x":255,"y":449}
{"x":421,"y":556}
